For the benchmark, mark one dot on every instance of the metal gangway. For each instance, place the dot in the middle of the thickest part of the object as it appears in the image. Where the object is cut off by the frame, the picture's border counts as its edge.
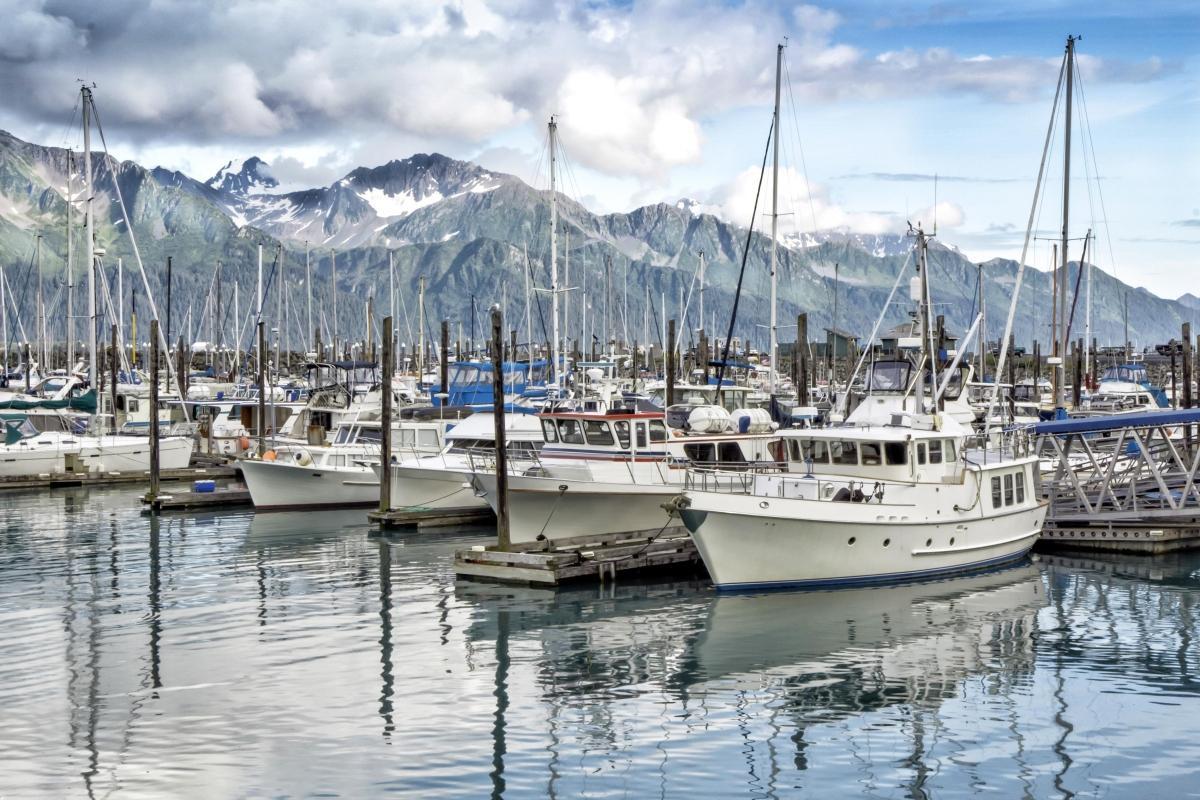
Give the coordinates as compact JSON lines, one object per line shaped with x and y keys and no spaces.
{"x":1122,"y":481}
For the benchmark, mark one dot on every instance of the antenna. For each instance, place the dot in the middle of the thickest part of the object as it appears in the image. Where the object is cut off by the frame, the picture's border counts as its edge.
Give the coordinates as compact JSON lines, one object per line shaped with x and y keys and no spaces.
{"x":935,"y":177}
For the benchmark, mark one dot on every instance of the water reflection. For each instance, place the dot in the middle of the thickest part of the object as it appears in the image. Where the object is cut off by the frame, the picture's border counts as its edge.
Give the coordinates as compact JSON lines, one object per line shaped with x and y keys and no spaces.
{"x":298,"y":654}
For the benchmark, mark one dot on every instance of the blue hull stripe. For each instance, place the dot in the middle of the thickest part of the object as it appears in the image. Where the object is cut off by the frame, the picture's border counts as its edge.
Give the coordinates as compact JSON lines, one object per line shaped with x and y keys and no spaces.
{"x":875,"y":580}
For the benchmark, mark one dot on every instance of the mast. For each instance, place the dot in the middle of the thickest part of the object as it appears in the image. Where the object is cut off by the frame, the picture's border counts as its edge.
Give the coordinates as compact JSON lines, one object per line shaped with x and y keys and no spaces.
{"x":308,"y":291}
{"x":554,"y":343}
{"x":528,"y":310}
{"x":700,"y":316}
{"x":607,"y":298}
{"x":566,"y":326}
{"x":421,"y":331}
{"x":41,"y":304}
{"x":334,"y":332}
{"x":1060,"y":397}
{"x":981,"y":359}
{"x":70,"y":268}
{"x":392,"y":306}
{"x":279,"y":286}
{"x":1087,"y":321}
{"x":89,"y":236}
{"x":775,"y":219}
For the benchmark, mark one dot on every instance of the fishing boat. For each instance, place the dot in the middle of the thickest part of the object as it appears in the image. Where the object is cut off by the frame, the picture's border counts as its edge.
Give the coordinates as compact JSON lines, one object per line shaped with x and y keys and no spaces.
{"x":902,"y":491}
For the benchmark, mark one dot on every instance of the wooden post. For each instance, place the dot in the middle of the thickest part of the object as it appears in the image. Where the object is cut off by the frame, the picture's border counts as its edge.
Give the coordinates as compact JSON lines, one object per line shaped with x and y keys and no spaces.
{"x":1037,"y":363}
{"x":385,"y":423}
{"x":512,"y":345}
{"x":113,"y":336}
{"x":444,"y":362}
{"x":320,"y":348}
{"x":28,"y":366}
{"x":1187,"y":365}
{"x":1012,"y":366}
{"x":503,"y":539}
{"x":704,"y":354}
{"x":262,"y":391}
{"x":802,"y":380}
{"x":669,"y":362}
{"x":1174,"y":380}
{"x":154,"y":468}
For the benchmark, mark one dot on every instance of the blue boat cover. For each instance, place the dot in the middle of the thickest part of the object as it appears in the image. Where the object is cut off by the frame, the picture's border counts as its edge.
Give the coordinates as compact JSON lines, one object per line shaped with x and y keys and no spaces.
{"x":1113,"y":422}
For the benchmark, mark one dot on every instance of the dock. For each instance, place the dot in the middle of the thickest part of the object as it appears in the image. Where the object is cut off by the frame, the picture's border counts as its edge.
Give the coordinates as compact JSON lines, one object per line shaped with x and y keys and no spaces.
{"x":196,"y":501}
{"x":1147,"y":537}
{"x":65,"y":479}
{"x":430,"y":518}
{"x":594,"y":558}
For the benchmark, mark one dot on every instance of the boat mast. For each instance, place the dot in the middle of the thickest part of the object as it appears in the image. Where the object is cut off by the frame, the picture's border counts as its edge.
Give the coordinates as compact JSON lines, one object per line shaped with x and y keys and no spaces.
{"x":1087,"y":323}
{"x":421,"y":331}
{"x":775,"y":219}
{"x":308,"y":291}
{"x":89,"y":236}
{"x":70,"y":268}
{"x":41,"y":305}
{"x":528,"y":310}
{"x":554,"y":343}
{"x":701,"y":313}
{"x":1060,"y":397}
{"x":981,"y":359}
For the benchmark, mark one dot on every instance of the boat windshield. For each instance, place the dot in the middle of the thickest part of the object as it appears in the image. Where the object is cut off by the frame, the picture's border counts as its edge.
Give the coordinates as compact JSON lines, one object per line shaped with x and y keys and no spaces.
{"x":889,"y":376}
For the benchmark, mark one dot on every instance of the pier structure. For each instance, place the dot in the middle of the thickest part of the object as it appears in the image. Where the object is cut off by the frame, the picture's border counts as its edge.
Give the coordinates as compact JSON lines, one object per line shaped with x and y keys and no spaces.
{"x":1123,"y":482}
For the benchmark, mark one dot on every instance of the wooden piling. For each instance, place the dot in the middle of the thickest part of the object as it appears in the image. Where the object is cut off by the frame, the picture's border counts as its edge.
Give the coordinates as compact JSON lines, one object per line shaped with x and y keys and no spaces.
{"x":444,"y":361}
{"x":802,"y":381}
{"x":503,"y":539}
{"x":114,"y":362}
{"x":669,"y":362}
{"x":1187,"y":365}
{"x":1077,"y":383}
{"x":385,"y":422}
{"x":154,"y":465}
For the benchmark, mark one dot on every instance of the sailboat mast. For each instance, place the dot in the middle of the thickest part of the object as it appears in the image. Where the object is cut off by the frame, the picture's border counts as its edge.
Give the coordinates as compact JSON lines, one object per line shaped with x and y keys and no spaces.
{"x":1060,"y":399}
{"x":421,"y":328}
{"x":528,"y":310}
{"x":775,"y":219}
{"x":89,"y":236}
{"x":700,"y":316}
{"x":308,"y":292}
{"x":554,"y":343}
{"x":1087,"y":322}
{"x":41,"y":304}
{"x":70,"y":266}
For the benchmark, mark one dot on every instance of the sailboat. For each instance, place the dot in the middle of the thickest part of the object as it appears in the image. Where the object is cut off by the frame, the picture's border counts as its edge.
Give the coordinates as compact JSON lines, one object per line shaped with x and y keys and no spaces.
{"x":903,"y":491}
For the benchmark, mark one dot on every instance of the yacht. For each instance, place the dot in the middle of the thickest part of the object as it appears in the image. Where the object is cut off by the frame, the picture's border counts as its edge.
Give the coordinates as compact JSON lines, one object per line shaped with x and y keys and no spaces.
{"x":901,"y":491}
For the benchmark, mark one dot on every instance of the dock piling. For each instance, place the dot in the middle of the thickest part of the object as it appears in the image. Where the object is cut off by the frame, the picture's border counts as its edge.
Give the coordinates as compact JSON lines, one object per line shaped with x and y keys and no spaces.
{"x":154,"y":465}
{"x":385,"y":422}
{"x":503,"y":539}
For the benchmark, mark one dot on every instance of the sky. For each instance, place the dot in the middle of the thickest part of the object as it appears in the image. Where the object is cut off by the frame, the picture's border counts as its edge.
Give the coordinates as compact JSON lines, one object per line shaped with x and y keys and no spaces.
{"x":657,"y":101}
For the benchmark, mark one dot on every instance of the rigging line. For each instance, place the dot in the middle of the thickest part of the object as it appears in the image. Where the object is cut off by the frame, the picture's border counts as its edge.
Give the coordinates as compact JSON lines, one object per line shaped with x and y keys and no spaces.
{"x":737,"y":297}
{"x":137,"y":253}
{"x":538,"y":298}
{"x":799,"y":141}
{"x":1087,"y":124}
{"x":26,"y":284}
{"x":1012,"y":306}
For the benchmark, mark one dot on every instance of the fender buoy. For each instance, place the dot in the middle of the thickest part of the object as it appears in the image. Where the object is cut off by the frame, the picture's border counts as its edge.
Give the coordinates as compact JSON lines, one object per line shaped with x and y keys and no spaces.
{"x":244,"y":442}
{"x":302,"y":458}
{"x":269,"y":455}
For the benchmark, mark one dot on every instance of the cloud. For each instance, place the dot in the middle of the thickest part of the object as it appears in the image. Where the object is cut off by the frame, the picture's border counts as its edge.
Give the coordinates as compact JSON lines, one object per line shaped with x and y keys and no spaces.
{"x":923,"y":177}
{"x":810,"y":206}
{"x":1187,"y":223}
{"x":29,"y":33}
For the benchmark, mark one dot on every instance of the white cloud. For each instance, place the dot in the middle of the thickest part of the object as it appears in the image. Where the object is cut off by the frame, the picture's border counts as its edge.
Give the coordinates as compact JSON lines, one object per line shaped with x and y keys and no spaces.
{"x":30,"y":33}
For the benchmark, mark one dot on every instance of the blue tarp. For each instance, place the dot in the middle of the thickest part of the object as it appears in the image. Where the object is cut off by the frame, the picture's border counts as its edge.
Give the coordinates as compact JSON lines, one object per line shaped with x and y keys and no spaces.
{"x":1112,"y":422}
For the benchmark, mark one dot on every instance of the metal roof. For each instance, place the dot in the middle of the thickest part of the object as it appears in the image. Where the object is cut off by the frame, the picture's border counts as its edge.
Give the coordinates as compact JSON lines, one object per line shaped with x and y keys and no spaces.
{"x":1113,"y":422}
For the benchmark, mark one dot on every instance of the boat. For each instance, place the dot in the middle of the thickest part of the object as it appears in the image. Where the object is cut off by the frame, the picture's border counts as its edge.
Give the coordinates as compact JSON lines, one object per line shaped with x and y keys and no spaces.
{"x":902,"y":491}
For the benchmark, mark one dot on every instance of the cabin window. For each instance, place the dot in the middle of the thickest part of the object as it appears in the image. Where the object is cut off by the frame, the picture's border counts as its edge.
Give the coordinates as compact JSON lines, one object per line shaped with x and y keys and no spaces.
{"x":658,"y":430}
{"x":921,"y":453}
{"x":700,"y":453}
{"x":995,"y":491}
{"x":949,"y":450}
{"x":730,"y":453}
{"x":896,"y":453}
{"x":793,"y":450}
{"x":369,"y":435}
{"x":844,"y":452}
{"x":1144,"y":399}
{"x":871,"y":454}
{"x":935,"y":451}
{"x":1008,"y":489}
{"x":816,"y":451}
{"x":622,"y":429}
{"x":407,"y":437}
{"x":427,"y":438}
{"x":598,"y":433}
{"x":1020,"y":487}
{"x":132,"y":405}
{"x":549,"y":432}
{"x":641,"y":434}
{"x":570,"y":432}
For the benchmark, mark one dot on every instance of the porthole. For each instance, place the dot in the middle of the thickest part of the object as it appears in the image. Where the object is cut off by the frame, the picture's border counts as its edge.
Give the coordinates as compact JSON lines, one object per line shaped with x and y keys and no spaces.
{"x":951,"y":541}
{"x":928,"y":542}
{"x":886,"y":542}
{"x":851,"y":540}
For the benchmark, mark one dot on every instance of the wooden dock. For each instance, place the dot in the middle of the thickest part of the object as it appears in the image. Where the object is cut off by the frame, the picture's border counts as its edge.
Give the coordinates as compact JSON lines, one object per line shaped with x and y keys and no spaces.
{"x":430,"y":518}
{"x":581,"y":558}
{"x":60,"y":480}
{"x":1144,"y":536}
{"x":194,"y":501}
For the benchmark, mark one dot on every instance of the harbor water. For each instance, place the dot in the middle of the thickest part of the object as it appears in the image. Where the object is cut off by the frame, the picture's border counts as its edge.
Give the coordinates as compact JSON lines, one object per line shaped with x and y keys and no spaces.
{"x":230,"y":654}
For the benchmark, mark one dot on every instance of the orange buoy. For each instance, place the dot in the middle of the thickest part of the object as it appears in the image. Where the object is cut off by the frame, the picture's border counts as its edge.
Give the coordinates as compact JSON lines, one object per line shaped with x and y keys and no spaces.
{"x":244,"y":442}
{"x":269,"y":455}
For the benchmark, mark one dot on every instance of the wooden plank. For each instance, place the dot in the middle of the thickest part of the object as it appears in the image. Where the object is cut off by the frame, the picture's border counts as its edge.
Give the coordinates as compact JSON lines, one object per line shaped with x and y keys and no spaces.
{"x":430,"y":518}
{"x":550,"y":568}
{"x":181,"y":501}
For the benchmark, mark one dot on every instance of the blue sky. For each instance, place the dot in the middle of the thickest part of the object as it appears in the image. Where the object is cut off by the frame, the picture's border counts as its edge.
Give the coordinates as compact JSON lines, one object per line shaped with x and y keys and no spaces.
{"x":662,"y":100}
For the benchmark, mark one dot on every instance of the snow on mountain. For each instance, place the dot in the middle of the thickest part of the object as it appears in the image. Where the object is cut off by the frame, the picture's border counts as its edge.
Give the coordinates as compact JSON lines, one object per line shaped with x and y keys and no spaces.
{"x":254,"y":177}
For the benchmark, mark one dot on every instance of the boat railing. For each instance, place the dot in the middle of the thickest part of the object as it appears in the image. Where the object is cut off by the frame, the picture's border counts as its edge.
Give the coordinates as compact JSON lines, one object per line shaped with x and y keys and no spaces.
{"x":767,"y":481}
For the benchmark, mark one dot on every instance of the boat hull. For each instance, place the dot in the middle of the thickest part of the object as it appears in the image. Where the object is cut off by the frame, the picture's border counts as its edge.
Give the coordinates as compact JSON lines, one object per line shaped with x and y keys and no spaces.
{"x":430,"y":488}
{"x":277,"y":485}
{"x":746,"y":548}
{"x":541,"y":507}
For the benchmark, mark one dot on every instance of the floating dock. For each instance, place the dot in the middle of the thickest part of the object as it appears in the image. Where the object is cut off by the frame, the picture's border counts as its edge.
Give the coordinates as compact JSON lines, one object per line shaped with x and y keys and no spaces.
{"x":428,"y":518}
{"x":60,"y":480}
{"x":596,"y":558}
{"x":1145,"y":536}
{"x":193,"y":501}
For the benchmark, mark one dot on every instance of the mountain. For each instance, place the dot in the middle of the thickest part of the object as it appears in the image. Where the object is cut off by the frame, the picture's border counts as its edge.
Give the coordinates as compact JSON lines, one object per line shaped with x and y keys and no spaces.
{"x":477,"y":236}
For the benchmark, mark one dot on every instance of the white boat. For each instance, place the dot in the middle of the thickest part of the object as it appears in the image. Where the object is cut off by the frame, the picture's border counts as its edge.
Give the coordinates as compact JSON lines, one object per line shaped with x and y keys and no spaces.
{"x":299,"y":475}
{"x":29,"y":452}
{"x":592,"y":478}
{"x":443,"y":481}
{"x":899,"y":493}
